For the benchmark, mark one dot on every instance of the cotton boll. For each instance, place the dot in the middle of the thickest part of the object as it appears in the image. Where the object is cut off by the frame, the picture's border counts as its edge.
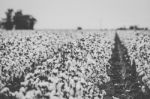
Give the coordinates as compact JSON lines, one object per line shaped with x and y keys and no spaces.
{"x":19,"y":95}
{"x":48,"y":94}
{"x":25,"y":83}
{"x":63,"y":75}
{"x":82,"y":80}
{"x":30,"y":94}
{"x":54,"y":97}
{"x":43,"y":84}
{"x":4,"y":90}
{"x":143,"y":89}
{"x":22,"y":90}
{"x":50,"y":60}
{"x":75,"y":79}
{"x":114,"y":97}
{"x":28,"y":76}
{"x":145,"y":78}
{"x":78,"y":86}
{"x":148,"y":83}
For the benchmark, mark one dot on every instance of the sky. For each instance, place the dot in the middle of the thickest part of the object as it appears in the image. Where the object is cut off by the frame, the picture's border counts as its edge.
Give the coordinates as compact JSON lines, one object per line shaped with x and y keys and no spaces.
{"x":89,"y":14}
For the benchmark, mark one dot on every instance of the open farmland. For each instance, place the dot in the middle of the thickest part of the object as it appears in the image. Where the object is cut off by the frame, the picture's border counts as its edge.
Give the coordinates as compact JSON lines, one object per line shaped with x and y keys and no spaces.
{"x":70,"y":64}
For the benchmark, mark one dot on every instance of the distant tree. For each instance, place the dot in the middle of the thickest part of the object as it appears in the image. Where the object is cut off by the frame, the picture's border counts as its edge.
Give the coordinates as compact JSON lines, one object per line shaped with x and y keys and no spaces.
{"x":23,"y":21}
{"x":32,"y":22}
{"x":146,"y":28}
{"x":79,"y":28}
{"x":1,"y":25}
{"x":135,"y":27}
{"x":122,"y":28}
{"x":18,"y":21}
{"x":8,"y":24}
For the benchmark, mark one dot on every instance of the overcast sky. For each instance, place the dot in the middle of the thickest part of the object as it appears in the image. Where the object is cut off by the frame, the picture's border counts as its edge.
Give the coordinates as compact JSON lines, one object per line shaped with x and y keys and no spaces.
{"x":92,"y":14}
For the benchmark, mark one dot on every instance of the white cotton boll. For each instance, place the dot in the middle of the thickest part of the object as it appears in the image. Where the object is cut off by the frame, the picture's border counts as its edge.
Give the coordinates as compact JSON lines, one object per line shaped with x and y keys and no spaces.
{"x":82,"y":80}
{"x":4,"y":90}
{"x":51,"y":87}
{"x":37,"y":92}
{"x":43,"y":84}
{"x":103,"y":92}
{"x":141,"y":73}
{"x":63,"y":75}
{"x":71,"y":97}
{"x":72,"y":83}
{"x":36,"y":81}
{"x":30,"y":94}
{"x":55,"y":70}
{"x":1,"y":53}
{"x":114,"y":97}
{"x":67,"y":89}
{"x":149,"y":86}
{"x":96,"y":97}
{"x":59,"y":85}
{"x":29,"y":75}
{"x":19,"y":95}
{"x":89,"y":83}
{"x":40,"y":67}
{"x":1,"y":85}
{"x":72,"y":68}
{"x":36,"y":71}
{"x":143,"y":89}
{"x":71,"y":92}
{"x":76,"y":78}
{"x":22,"y":90}
{"x":89,"y":59}
{"x":48,"y":94}
{"x":54,"y":79}
{"x":25,"y":83}
{"x":148,"y":83}
{"x":50,"y":60}
{"x":54,"y":97}
{"x":53,"y":92}
{"x":79,"y":89}
{"x":51,"y":79}
{"x":145,"y":79}
{"x":106,"y":80}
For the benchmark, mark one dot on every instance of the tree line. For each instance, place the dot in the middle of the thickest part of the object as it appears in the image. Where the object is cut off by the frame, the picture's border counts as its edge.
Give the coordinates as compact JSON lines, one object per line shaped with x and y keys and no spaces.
{"x":133,"y":27}
{"x":17,"y":20}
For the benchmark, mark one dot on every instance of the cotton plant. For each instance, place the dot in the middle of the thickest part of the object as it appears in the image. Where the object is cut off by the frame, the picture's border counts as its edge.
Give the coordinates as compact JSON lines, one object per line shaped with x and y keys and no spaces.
{"x":55,"y":67}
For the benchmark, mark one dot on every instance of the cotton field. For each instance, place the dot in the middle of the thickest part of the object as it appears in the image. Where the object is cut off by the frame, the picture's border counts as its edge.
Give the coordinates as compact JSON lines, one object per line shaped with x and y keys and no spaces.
{"x":138,"y":45}
{"x":66,"y":64}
